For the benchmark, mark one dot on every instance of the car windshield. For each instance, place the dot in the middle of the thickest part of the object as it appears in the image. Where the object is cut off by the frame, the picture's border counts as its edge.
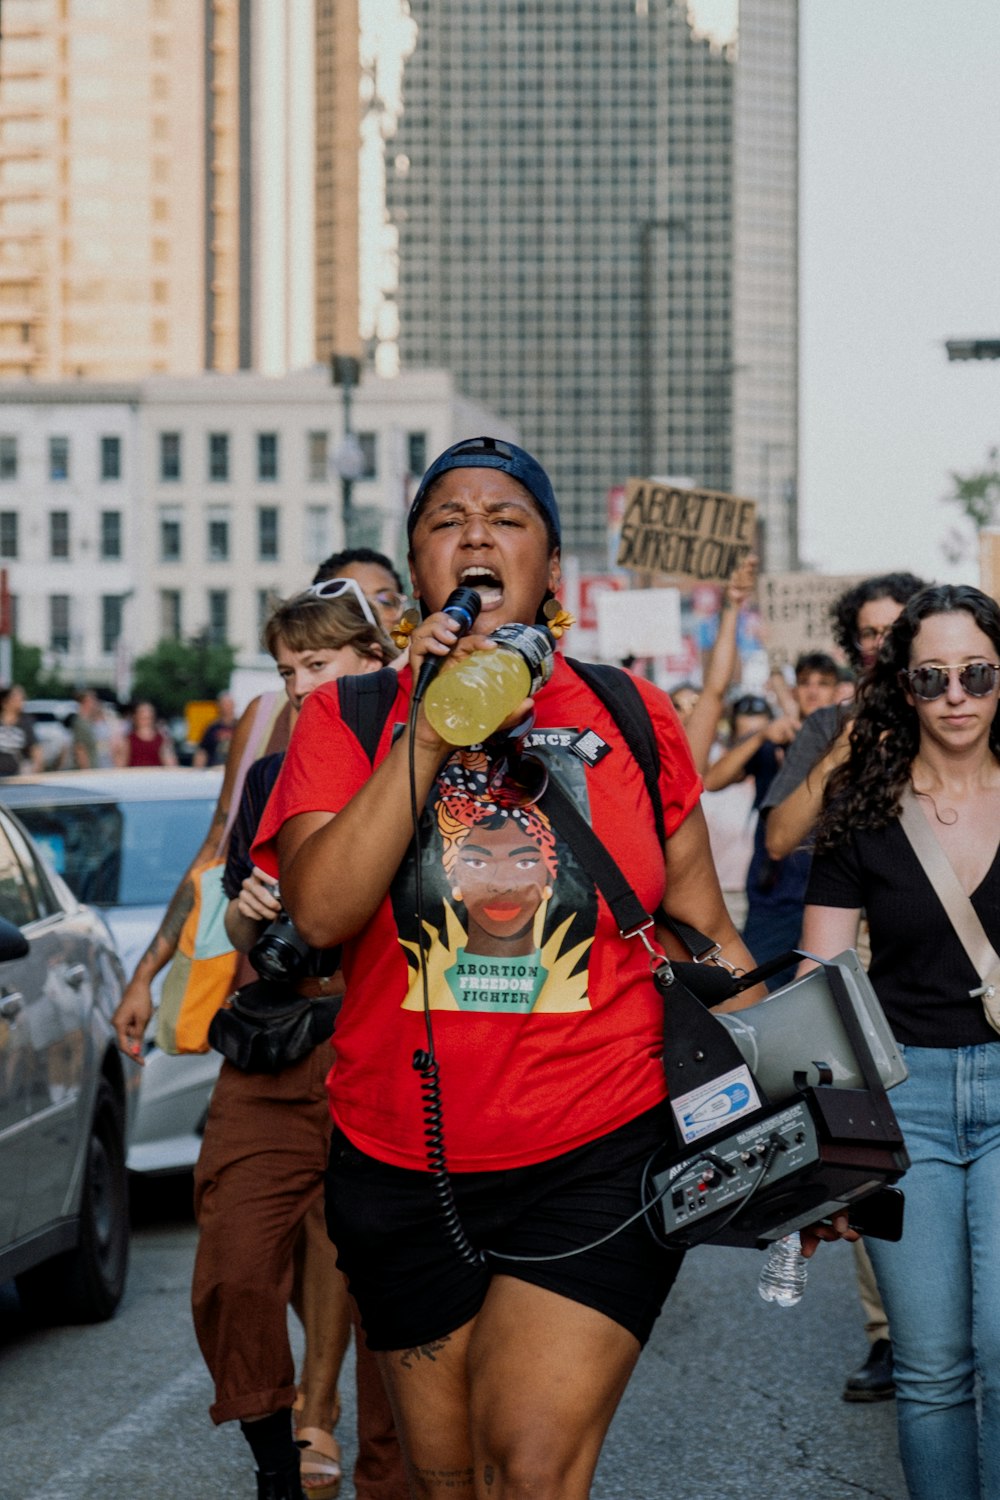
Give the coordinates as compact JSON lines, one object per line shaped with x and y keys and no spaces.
{"x":120,"y":853}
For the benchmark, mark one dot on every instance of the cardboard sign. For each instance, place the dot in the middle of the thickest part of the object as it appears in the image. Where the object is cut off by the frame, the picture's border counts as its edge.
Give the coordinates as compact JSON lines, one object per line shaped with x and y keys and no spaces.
{"x":693,"y":534}
{"x":795,"y":609}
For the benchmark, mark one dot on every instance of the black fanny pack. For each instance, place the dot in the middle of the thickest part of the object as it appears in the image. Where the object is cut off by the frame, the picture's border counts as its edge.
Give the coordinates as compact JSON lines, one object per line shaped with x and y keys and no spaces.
{"x":264,"y":1027}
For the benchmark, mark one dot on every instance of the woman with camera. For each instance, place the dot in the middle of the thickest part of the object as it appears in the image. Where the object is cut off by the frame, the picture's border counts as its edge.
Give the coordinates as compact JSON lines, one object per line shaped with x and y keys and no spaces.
{"x":504,"y":1370}
{"x":910,"y":833}
{"x":260,"y":1172}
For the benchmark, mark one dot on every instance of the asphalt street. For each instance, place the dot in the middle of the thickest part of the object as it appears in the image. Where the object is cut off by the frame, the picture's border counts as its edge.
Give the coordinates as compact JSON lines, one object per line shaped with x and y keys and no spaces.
{"x":732,"y":1400}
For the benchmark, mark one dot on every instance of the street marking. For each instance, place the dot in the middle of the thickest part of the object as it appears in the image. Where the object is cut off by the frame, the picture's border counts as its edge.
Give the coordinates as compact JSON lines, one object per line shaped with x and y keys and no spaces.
{"x":75,"y":1481}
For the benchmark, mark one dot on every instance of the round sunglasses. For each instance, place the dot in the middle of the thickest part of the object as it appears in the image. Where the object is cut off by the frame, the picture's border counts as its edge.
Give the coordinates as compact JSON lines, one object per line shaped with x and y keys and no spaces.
{"x":978,"y":679}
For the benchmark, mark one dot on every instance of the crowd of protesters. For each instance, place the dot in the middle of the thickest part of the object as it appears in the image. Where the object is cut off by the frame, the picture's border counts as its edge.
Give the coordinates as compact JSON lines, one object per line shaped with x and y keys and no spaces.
{"x":768,"y":748}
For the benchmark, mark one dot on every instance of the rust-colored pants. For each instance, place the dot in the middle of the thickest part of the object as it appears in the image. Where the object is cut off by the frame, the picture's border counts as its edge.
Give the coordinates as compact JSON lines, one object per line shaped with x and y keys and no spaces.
{"x":259,"y":1175}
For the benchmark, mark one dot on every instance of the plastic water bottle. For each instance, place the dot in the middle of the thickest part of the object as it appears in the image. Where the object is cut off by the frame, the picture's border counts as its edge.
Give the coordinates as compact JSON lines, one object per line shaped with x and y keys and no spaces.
{"x":784,"y":1272}
{"x":467,"y":702}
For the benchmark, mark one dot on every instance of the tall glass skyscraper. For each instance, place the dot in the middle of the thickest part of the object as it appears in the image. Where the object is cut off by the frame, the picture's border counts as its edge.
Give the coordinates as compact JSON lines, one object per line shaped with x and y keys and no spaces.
{"x":597,"y":217}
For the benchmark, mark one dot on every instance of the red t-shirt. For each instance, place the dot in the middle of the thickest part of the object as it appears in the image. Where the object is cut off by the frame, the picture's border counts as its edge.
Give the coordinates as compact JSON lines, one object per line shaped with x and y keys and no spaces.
{"x":547,"y":1027}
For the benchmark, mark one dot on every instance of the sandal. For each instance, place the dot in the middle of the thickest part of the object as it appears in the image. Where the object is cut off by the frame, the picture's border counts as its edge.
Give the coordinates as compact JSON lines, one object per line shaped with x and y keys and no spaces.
{"x":319,"y":1463}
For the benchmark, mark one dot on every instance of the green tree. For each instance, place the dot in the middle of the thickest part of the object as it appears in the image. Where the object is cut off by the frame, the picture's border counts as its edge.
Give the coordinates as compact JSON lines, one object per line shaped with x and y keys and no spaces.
{"x":28,"y":668}
{"x":977,"y":496}
{"x":174,"y":672}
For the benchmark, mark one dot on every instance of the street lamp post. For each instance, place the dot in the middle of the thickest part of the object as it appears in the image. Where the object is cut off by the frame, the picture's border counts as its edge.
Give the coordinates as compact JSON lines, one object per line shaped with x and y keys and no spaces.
{"x":348,"y":459}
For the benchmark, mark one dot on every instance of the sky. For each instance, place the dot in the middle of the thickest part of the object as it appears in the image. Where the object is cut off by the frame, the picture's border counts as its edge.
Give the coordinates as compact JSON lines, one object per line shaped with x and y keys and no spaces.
{"x":900,"y":170}
{"x":900,"y":249}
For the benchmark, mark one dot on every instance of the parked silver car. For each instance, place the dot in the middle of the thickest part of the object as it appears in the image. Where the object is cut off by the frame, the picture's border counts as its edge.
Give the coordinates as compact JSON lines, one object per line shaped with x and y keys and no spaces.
{"x":64,"y":1097}
{"x":122,"y":839}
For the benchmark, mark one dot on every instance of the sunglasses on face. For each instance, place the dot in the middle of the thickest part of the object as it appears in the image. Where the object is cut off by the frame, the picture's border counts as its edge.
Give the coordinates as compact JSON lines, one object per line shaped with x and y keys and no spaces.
{"x":334,"y":588}
{"x":388,"y":598}
{"x":977,"y":678}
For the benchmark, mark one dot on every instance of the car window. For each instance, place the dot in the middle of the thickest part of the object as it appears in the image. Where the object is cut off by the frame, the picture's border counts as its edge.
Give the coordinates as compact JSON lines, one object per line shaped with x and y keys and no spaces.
{"x":120,"y":853}
{"x":45,"y":901}
{"x":16,"y":901}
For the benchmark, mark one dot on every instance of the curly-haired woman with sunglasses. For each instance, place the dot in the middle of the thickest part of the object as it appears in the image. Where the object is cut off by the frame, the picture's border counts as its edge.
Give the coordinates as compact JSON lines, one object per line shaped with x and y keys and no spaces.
{"x":927,"y":737}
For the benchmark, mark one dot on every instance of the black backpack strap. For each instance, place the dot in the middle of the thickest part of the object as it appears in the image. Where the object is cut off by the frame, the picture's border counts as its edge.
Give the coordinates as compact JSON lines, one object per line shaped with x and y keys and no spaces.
{"x":624,"y":702}
{"x":365,"y":703}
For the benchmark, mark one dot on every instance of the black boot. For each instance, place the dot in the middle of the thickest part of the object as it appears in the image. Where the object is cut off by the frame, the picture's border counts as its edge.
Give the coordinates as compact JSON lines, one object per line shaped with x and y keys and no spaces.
{"x":874,"y":1380}
{"x":280,"y":1484}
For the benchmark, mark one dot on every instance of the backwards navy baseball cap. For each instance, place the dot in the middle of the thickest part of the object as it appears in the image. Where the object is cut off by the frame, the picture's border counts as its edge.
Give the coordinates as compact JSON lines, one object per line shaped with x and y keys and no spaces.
{"x":494,"y":453}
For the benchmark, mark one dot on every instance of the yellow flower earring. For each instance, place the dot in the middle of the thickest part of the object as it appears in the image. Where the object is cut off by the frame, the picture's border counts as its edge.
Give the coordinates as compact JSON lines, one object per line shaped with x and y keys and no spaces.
{"x":557,"y":619}
{"x":401,"y":633}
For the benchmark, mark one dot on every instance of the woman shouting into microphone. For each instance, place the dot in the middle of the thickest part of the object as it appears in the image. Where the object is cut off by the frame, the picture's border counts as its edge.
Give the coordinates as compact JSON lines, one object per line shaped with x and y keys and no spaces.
{"x":508,"y":1329}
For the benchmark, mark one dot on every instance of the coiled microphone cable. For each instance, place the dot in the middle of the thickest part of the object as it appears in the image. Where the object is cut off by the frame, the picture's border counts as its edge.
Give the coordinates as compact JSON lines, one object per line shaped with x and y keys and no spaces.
{"x":425,"y":1062}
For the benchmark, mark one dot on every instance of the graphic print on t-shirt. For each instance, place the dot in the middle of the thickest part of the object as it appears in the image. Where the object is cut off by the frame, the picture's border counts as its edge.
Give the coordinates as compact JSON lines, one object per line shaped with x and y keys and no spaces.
{"x":509,"y":913}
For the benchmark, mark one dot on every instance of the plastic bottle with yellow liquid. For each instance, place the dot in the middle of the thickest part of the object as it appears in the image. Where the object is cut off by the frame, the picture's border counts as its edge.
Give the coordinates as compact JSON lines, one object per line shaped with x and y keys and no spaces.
{"x":467,"y":702}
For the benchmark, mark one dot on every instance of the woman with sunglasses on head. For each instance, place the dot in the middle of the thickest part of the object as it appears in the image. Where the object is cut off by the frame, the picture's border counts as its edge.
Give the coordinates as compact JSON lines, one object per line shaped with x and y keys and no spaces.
{"x":259,"y":1178}
{"x":504,"y":1368}
{"x":926,"y":746}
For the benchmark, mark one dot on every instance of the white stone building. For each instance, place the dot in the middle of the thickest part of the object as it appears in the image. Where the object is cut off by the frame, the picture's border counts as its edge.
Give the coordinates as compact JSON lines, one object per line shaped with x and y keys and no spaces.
{"x":170,"y":507}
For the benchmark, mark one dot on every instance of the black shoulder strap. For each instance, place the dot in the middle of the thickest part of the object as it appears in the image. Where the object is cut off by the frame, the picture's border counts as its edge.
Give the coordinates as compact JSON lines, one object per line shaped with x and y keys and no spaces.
{"x":365,"y":703}
{"x":624,"y":702}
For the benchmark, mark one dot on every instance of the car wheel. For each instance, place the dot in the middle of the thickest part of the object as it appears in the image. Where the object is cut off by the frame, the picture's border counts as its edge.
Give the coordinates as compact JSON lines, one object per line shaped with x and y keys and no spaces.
{"x":85,"y":1285}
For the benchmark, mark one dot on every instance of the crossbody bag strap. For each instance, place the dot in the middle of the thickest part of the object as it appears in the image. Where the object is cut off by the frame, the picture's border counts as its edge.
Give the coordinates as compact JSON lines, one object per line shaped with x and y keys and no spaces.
{"x":938,"y":868}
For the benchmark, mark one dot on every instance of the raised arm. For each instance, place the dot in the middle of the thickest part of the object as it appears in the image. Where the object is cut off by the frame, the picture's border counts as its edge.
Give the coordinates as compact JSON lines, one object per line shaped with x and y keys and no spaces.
{"x":721,"y":664}
{"x":732,"y":765}
{"x":368,"y":838}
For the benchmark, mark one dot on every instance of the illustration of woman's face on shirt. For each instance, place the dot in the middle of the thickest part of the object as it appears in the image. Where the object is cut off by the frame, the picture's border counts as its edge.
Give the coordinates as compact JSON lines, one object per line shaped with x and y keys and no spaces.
{"x":500,"y":876}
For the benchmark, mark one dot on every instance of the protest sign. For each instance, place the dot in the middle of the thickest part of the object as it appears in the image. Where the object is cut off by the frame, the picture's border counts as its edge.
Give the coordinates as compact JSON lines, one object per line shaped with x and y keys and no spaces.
{"x":686,"y":534}
{"x":638,"y":622}
{"x":795,"y":609}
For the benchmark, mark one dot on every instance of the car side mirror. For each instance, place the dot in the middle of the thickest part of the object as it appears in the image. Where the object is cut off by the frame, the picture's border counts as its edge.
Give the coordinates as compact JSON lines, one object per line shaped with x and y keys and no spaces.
{"x":13,"y":943}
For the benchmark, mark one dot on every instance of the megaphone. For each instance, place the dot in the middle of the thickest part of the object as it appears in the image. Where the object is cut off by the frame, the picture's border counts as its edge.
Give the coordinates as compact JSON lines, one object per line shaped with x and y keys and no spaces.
{"x":796,"y":1036}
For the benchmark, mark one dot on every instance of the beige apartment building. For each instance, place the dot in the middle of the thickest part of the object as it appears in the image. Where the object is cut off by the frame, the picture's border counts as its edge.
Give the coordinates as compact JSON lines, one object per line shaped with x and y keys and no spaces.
{"x":178,"y":186}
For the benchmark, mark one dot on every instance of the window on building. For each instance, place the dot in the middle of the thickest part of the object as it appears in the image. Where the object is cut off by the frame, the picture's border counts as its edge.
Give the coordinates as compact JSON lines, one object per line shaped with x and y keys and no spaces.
{"x":111,"y":458}
{"x":319,"y":455}
{"x":368,"y":442}
{"x":170,"y":534}
{"x":218,"y":616}
{"x":111,"y":533}
{"x":218,"y":535}
{"x":267,"y":533}
{"x":267,"y":455}
{"x":416,"y":452}
{"x":111,"y":622}
{"x":318,"y":536}
{"x":170,"y":455}
{"x":9,"y":538}
{"x":59,"y":622}
{"x":218,"y":455}
{"x":58,"y":458}
{"x":59,"y":533}
{"x":170,"y":614}
{"x":8,"y":457}
{"x":266,"y":599}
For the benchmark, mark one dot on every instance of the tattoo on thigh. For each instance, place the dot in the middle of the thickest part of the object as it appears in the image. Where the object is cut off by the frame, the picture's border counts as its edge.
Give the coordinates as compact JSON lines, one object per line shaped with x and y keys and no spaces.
{"x":411,"y":1357}
{"x":446,"y":1479}
{"x":489,"y":1474}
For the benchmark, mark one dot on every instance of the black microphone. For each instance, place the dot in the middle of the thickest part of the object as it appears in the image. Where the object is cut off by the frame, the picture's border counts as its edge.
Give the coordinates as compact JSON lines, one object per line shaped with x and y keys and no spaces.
{"x":463,"y":605}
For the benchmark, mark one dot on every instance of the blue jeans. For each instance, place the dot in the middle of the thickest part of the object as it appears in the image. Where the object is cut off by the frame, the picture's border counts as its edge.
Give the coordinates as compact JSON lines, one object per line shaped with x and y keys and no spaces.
{"x":941,"y":1283}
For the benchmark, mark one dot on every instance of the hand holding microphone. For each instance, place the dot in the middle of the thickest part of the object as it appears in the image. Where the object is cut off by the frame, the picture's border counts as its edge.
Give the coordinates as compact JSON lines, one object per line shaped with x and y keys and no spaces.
{"x":462,"y":606}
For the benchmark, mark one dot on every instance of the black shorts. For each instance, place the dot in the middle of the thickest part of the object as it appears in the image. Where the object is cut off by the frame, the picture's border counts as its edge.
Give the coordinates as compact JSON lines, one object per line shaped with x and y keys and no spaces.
{"x":411,"y":1282}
